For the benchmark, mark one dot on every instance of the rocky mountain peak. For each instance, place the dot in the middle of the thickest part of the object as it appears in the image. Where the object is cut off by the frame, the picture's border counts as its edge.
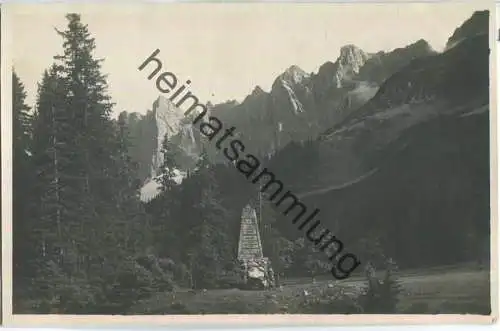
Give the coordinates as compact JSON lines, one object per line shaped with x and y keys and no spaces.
{"x":257,"y":95}
{"x":257,"y":90}
{"x":422,"y":44}
{"x":353,"y":56}
{"x":350,"y":61}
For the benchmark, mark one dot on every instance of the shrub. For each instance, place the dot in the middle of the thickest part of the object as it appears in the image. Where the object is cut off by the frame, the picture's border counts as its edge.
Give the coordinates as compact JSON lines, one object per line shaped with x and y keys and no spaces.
{"x":60,"y":294}
{"x":381,"y":296}
{"x":159,"y":271}
{"x":123,"y":288}
{"x":131,"y":283}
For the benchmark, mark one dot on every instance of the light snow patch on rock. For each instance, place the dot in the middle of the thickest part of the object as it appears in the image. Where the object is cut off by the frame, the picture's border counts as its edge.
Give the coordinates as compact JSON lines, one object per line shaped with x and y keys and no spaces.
{"x":152,"y":188}
{"x":297,"y":105}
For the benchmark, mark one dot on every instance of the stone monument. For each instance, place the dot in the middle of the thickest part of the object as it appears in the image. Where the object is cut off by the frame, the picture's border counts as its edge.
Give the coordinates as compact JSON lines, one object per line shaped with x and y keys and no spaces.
{"x":256,"y":268}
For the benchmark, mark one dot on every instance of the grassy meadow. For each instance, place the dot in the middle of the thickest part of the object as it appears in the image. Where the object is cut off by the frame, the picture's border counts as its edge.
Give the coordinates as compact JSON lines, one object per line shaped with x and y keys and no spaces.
{"x":443,"y":290}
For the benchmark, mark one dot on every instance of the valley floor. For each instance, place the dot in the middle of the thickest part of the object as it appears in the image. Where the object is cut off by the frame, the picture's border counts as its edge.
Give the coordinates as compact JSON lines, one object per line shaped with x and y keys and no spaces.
{"x":446,"y":290}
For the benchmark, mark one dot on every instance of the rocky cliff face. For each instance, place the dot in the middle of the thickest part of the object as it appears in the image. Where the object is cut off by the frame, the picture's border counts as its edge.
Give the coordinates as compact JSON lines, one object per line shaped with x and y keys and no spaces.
{"x":172,"y":124}
{"x":168,"y":120}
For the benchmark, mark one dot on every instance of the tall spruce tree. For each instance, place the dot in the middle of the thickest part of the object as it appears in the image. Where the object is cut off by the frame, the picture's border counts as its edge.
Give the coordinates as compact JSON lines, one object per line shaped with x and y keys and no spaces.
{"x":87,"y":207}
{"x":135,"y":224}
{"x":102,"y":170}
{"x":209,"y":247}
{"x":56,"y":189}
{"x":89,"y":104}
{"x":22,"y":181}
{"x":165,"y":224}
{"x":51,"y":153}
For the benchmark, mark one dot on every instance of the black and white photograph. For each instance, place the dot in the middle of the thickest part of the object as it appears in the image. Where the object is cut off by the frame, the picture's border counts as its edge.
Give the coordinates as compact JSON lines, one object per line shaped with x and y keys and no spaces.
{"x":266,"y":158}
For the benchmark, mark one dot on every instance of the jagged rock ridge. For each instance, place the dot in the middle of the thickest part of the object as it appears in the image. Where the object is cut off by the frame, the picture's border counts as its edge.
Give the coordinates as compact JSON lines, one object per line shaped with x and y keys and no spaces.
{"x":299,"y":106}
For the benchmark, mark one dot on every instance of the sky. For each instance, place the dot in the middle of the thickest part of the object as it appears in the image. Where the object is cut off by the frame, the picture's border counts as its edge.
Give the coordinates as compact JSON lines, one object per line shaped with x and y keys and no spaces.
{"x":224,"y":49}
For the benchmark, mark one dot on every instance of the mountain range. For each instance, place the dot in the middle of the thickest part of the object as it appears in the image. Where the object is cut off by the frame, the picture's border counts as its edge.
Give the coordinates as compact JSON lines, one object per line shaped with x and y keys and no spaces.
{"x":410,"y":167}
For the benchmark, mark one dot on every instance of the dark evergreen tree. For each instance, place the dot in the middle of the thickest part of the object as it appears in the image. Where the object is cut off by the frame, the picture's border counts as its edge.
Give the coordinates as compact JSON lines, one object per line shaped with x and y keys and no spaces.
{"x":169,"y":166}
{"x":89,"y":220}
{"x":21,"y":124}
{"x":132,"y":222}
{"x":22,"y":184}
{"x":209,"y":247}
